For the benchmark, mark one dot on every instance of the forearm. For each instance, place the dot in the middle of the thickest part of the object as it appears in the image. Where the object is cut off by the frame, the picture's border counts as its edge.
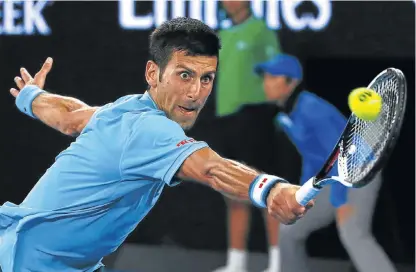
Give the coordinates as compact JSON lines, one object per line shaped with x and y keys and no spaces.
{"x":229,"y":177}
{"x":232,"y":178}
{"x":65,"y":114}
{"x":236,"y":180}
{"x":226,"y":176}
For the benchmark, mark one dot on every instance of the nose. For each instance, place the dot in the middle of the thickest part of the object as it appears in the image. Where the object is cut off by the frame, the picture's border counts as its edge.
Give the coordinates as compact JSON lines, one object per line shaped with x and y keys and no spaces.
{"x":194,"y":91}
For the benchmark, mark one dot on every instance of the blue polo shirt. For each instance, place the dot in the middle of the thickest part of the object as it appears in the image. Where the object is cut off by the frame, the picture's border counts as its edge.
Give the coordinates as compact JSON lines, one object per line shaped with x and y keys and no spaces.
{"x":97,"y":191}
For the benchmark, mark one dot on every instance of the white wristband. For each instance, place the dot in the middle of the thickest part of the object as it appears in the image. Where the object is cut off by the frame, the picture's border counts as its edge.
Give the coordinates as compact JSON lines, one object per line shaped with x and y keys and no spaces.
{"x":260,"y":189}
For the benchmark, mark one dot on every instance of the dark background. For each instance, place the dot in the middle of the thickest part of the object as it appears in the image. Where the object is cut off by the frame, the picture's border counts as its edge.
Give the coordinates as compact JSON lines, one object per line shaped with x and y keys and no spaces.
{"x":97,"y":61}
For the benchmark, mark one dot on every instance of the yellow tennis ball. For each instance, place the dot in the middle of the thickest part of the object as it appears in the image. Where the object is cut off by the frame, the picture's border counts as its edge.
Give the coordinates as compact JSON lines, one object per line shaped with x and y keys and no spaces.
{"x":365,"y":103}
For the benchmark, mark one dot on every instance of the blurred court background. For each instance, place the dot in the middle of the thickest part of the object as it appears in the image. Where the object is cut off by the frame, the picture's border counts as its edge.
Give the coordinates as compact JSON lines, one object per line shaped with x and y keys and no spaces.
{"x":100,"y":51}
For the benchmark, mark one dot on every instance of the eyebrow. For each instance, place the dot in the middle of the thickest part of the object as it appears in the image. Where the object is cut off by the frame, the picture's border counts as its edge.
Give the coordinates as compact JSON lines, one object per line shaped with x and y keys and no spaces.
{"x":186,"y":68}
{"x":189,"y":70}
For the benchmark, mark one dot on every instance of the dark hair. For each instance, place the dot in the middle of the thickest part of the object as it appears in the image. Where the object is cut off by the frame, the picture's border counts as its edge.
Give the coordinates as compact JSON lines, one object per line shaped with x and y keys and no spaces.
{"x":182,"y":34}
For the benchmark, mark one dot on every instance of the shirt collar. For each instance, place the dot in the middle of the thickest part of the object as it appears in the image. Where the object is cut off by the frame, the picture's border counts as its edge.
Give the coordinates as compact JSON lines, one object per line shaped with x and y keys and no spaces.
{"x":148,"y":100}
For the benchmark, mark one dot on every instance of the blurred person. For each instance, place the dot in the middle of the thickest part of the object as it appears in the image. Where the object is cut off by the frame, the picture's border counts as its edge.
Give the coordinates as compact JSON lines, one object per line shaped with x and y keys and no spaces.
{"x":110,"y":177}
{"x":314,"y":126}
{"x":240,"y":114}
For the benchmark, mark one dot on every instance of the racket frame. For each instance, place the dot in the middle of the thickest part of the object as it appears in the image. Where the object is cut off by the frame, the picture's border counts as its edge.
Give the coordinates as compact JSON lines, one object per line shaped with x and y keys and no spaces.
{"x":391,"y":141}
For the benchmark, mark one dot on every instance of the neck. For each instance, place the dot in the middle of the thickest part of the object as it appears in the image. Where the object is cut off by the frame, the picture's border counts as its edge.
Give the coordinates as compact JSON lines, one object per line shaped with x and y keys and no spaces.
{"x":152,"y":93}
{"x":241,"y":16}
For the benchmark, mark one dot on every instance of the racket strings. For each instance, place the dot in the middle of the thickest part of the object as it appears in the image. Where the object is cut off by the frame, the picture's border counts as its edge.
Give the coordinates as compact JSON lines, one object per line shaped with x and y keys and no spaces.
{"x":366,"y":140}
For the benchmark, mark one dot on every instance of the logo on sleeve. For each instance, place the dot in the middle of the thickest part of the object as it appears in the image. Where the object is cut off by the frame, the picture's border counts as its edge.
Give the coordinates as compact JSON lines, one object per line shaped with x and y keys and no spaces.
{"x":184,"y":142}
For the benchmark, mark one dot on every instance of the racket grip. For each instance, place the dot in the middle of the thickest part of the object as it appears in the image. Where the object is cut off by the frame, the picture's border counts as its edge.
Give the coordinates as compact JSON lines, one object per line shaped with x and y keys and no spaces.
{"x":306,"y":192}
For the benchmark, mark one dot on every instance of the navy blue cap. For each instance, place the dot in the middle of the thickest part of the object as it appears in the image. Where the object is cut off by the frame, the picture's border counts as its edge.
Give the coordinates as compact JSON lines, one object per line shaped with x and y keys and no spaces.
{"x":281,"y":65}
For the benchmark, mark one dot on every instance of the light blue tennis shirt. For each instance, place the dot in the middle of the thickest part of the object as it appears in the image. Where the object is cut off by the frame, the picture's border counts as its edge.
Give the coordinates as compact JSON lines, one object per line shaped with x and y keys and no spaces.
{"x":97,"y":191}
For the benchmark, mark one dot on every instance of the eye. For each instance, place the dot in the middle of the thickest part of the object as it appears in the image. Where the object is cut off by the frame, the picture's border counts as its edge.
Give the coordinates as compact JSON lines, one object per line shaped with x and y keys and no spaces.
{"x":185,"y":75}
{"x":206,"y":79}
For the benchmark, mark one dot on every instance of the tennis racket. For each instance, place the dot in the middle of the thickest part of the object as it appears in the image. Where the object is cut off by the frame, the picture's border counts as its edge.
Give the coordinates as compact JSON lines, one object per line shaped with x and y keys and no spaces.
{"x":364,"y":146}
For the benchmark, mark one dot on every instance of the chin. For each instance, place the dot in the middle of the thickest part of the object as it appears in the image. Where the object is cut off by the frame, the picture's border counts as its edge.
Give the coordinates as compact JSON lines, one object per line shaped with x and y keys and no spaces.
{"x":186,"y":125}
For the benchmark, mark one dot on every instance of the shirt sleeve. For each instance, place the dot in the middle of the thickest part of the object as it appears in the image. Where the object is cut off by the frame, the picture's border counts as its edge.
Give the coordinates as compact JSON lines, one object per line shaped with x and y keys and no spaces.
{"x":125,"y":98}
{"x":156,"y":149}
{"x":118,"y":101}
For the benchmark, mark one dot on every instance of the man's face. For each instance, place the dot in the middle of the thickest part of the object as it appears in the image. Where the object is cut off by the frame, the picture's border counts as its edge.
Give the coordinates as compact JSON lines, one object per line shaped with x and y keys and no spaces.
{"x":234,"y":7}
{"x":185,"y":86}
{"x":277,"y":88}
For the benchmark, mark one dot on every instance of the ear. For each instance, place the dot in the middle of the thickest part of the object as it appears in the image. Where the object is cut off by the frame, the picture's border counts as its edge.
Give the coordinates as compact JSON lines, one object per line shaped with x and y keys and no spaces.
{"x":152,"y":73}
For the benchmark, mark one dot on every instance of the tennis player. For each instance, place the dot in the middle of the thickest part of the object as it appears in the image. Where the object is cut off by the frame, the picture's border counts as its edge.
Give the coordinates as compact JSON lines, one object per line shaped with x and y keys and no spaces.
{"x":314,"y":126}
{"x":111,"y":176}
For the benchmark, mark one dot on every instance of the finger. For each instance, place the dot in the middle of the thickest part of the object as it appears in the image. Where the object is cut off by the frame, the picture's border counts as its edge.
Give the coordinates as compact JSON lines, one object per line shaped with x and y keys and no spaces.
{"x":281,"y":208}
{"x":19,"y":82}
{"x":14,"y":92}
{"x":46,"y":67}
{"x":278,"y":218}
{"x":300,"y":216}
{"x":291,"y":222}
{"x":292,"y":205}
{"x":298,"y":210}
{"x":309,"y":205}
{"x":25,"y":75}
{"x":276,"y":212}
{"x":285,"y":213}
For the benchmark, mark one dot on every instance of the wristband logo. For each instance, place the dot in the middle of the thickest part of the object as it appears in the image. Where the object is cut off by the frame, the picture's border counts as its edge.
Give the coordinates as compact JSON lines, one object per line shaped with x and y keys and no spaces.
{"x":297,"y":15}
{"x":261,"y":184}
{"x":23,"y":17}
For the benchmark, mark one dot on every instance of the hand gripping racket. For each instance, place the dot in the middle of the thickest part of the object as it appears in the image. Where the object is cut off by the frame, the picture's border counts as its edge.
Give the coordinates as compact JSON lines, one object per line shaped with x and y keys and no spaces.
{"x":364,"y":146}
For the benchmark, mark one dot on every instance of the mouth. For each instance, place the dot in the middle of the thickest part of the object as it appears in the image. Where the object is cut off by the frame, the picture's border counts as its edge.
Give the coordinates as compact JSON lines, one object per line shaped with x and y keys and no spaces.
{"x":187,"y":110}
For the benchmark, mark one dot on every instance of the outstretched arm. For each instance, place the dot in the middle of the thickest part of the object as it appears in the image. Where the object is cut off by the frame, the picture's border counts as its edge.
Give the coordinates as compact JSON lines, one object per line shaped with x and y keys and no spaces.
{"x":65,"y":114}
{"x":237,"y":180}
{"x":157,"y":148}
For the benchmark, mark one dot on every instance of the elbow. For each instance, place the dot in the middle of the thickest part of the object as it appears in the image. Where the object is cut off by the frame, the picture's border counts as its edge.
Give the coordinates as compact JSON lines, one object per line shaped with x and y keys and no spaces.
{"x":69,"y":131}
{"x":69,"y":125}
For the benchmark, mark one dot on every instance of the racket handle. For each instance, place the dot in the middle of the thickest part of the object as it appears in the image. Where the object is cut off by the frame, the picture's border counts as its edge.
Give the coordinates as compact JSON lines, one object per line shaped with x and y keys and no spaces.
{"x":307,"y":192}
